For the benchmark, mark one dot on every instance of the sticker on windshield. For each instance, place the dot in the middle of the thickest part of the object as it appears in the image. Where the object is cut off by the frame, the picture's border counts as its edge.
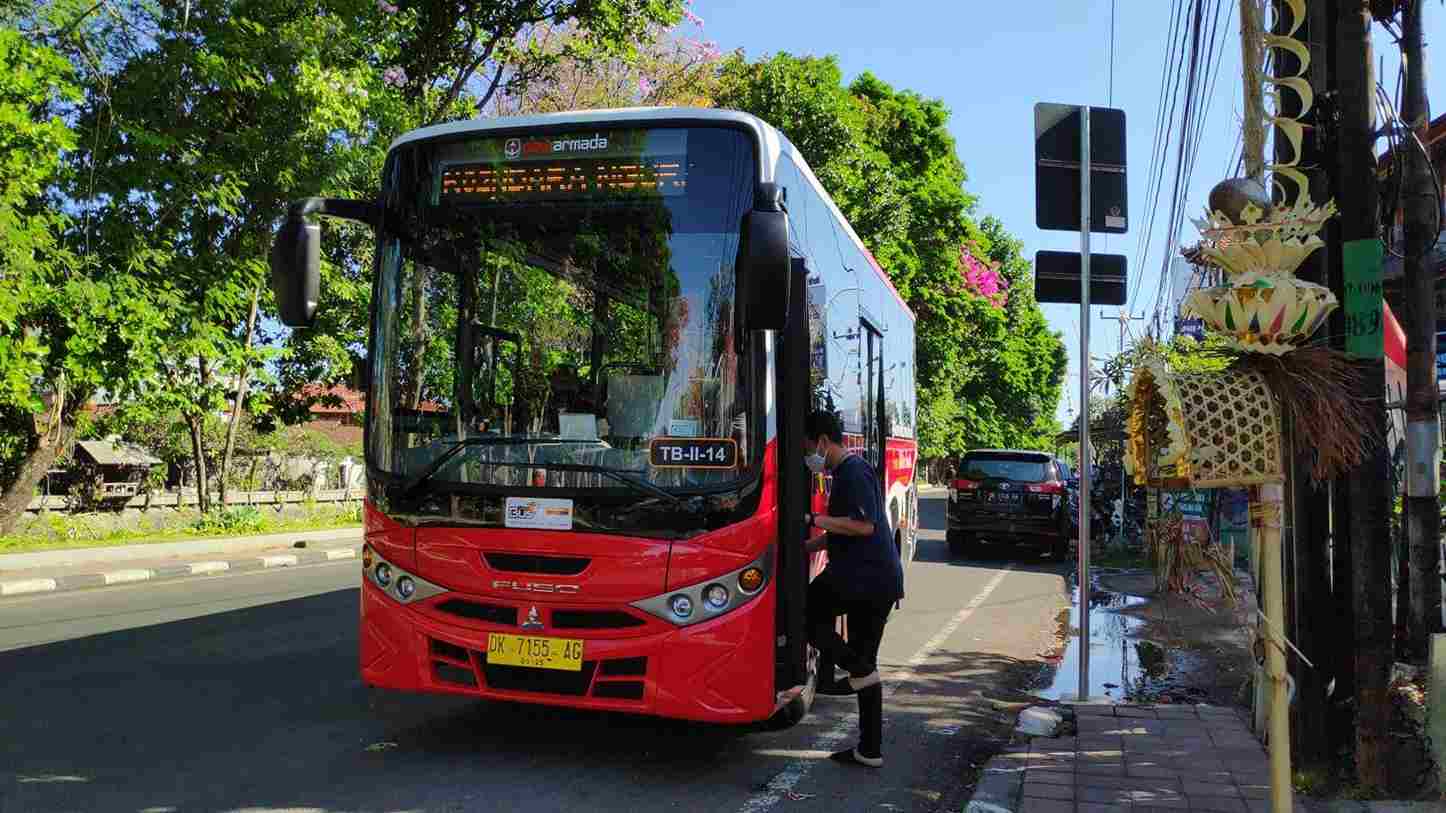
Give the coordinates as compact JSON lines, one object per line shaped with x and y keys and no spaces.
{"x":538,"y":513}
{"x":693,"y":453}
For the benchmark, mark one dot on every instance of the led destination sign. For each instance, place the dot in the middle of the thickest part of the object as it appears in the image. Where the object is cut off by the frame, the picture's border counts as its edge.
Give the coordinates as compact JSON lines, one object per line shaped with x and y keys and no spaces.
{"x":650,"y":163}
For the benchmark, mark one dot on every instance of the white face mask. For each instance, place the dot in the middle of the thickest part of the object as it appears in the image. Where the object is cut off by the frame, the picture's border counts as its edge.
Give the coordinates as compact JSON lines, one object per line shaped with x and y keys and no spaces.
{"x":814,"y":461}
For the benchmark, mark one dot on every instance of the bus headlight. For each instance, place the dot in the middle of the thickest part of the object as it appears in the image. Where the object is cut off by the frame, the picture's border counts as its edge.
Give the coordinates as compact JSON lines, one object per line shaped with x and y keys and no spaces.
{"x":751,"y":580}
{"x":398,"y":584}
{"x":712,"y":597}
{"x":716,"y":596}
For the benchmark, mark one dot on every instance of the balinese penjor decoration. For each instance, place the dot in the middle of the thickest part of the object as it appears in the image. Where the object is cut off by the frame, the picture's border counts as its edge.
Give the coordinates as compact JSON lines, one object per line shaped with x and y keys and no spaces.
{"x":1228,"y":427}
{"x":1262,"y":307}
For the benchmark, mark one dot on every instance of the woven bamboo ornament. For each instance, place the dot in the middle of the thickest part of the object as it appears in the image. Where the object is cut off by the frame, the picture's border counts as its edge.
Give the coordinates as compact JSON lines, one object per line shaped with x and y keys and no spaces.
{"x":1205,"y":430}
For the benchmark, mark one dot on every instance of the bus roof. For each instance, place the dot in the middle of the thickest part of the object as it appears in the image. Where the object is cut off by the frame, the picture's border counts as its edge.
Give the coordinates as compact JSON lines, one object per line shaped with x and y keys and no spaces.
{"x":617,"y":115}
{"x":770,"y":137}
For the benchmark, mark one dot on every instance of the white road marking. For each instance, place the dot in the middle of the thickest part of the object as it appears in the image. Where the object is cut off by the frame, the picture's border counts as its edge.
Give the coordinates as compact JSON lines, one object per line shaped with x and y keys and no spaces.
{"x":784,"y":782}
{"x":283,"y":560}
{"x":341,"y":553}
{"x":210,"y":567}
{"x":126,"y":576}
{"x":23,"y":586}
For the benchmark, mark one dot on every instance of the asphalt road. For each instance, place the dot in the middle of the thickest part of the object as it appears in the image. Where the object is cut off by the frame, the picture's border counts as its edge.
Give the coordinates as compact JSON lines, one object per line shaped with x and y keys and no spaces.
{"x":240,"y":693}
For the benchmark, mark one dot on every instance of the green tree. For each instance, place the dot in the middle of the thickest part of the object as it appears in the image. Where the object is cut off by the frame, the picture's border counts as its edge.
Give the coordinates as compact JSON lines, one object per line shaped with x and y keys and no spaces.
{"x":432,"y":62}
{"x":68,"y":325}
{"x":990,"y":369}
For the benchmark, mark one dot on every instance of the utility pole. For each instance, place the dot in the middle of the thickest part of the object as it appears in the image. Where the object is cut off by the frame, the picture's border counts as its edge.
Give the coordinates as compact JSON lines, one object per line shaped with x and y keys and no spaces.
{"x":1421,"y":216}
{"x":1307,"y":536}
{"x":1370,"y":553}
{"x":1124,"y":318}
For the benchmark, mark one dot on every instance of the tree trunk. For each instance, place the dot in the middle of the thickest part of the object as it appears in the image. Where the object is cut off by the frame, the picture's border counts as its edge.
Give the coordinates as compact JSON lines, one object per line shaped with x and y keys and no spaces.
{"x":198,"y":452}
{"x":17,"y":495}
{"x":197,"y":423}
{"x":236,"y":408}
{"x":1421,"y":223}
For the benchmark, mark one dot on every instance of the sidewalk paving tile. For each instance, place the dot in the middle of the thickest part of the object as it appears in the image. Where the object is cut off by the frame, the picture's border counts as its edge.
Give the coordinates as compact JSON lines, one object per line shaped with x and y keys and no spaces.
{"x":1046,"y":806}
{"x":1218,"y":804}
{"x":1152,"y":771}
{"x":1040,"y":790}
{"x":1100,"y":769}
{"x":1049,"y":777}
{"x":1129,"y":758}
{"x":1194,"y":787}
{"x":1102,"y":795}
{"x":1111,"y":807}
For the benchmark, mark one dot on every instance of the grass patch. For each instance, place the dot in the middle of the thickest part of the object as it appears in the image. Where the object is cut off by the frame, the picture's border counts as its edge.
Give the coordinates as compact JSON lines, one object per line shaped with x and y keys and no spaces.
{"x":67,"y":532}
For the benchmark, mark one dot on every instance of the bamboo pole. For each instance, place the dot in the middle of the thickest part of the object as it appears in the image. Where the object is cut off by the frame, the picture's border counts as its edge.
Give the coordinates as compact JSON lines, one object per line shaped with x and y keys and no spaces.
{"x":1267,"y":509}
{"x":1252,"y":61}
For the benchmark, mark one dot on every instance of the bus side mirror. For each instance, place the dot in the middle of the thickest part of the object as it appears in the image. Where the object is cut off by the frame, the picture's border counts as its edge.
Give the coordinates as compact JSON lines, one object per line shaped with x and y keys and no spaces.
{"x":296,"y":269}
{"x":763,"y":262}
{"x":296,"y":254}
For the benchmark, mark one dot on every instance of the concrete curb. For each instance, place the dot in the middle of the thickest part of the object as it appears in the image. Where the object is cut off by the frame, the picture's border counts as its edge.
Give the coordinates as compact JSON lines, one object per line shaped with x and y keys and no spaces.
{"x":219,"y":547}
{"x":85,"y":581}
{"x":1001,"y":783}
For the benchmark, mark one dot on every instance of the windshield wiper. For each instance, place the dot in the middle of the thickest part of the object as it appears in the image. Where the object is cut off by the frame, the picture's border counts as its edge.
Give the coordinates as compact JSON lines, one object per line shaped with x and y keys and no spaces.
{"x":612,"y":474}
{"x":587,"y":468}
{"x":465,"y":443}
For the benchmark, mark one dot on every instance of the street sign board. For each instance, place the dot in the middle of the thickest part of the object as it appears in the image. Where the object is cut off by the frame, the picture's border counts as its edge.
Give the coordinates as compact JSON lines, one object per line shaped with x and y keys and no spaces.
{"x":1056,"y":277}
{"x":1365,"y":324}
{"x":1057,"y":169}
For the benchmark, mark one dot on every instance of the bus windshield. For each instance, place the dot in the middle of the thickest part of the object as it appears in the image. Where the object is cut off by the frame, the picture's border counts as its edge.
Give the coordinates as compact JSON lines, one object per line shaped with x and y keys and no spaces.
{"x":555,"y":302}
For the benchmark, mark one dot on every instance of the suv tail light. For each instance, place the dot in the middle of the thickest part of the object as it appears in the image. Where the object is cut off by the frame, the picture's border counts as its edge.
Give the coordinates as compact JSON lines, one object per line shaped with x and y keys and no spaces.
{"x":966,"y":485}
{"x":1054,"y":487}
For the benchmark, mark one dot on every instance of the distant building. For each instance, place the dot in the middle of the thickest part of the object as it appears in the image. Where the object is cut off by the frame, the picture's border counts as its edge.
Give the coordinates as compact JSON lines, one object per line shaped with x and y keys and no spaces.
{"x":338,"y":413}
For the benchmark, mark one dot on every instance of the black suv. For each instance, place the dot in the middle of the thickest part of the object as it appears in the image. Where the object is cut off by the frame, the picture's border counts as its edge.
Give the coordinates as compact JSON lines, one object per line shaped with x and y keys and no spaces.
{"x":1013,"y":497}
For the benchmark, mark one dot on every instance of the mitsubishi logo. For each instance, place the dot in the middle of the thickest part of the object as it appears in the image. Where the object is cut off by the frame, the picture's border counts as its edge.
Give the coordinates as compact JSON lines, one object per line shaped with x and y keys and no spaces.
{"x":534,"y":621}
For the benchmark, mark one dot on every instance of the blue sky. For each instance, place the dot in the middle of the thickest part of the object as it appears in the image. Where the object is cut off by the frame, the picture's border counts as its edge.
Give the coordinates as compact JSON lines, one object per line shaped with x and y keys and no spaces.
{"x":990,"y":63}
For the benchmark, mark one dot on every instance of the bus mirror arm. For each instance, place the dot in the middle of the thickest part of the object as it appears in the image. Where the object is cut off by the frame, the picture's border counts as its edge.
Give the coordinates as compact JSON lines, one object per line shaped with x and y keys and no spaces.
{"x":763,"y":263}
{"x":296,"y":254}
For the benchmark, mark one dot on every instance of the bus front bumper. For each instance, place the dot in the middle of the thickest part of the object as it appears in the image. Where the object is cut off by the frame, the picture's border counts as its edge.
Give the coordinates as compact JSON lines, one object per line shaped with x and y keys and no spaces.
{"x":719,"y":671}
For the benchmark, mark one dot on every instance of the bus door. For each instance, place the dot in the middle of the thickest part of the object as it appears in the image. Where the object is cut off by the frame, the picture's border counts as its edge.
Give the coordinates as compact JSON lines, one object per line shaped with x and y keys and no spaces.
{"x":791,"y":370}
{"x":872,"y":397}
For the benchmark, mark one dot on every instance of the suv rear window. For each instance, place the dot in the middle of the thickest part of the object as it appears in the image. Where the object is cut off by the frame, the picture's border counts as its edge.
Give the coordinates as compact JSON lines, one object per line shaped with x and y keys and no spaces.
{"x":1019,"y":468}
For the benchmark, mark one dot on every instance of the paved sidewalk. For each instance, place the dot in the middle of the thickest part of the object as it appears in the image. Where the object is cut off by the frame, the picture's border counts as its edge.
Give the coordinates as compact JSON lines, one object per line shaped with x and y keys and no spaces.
{"x":85,"y":568}
{"x":1133,"y":758}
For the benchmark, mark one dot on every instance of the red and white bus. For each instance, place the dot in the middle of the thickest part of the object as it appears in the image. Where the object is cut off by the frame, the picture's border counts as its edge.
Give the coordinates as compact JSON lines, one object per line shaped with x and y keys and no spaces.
{"x":594,"y":339}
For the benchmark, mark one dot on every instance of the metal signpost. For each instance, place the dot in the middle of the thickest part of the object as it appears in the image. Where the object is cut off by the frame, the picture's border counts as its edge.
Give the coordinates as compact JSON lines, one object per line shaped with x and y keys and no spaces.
{"x":1056,"y":155}
{"x":1084,"y":400}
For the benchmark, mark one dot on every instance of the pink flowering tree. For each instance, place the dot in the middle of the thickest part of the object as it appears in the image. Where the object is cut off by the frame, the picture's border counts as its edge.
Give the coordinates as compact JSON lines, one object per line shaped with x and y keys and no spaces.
{"x":983,"y":278}
{"x":673,"y":64}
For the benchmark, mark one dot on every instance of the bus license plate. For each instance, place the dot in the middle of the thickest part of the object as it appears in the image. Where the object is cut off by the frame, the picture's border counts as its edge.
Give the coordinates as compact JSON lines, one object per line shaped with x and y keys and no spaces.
{"x":534,"y":651}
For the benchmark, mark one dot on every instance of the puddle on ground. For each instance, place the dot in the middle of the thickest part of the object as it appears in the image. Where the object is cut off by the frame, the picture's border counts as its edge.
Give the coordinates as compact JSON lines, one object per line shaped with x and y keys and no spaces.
{"x":1122,"y":665}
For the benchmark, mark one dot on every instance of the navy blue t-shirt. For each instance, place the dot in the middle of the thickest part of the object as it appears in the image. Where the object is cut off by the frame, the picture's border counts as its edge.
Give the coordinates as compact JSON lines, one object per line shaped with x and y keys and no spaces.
{"x":863,"y":568}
